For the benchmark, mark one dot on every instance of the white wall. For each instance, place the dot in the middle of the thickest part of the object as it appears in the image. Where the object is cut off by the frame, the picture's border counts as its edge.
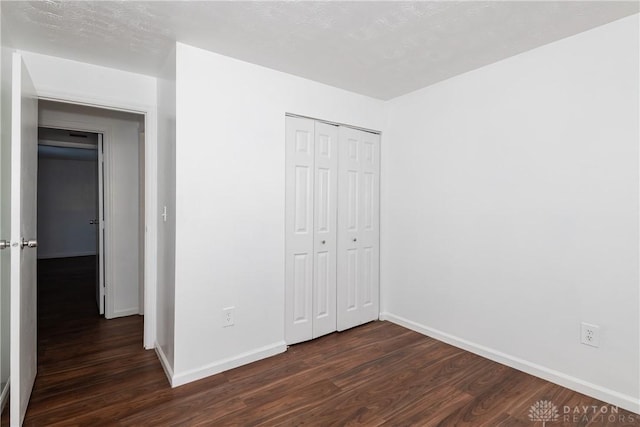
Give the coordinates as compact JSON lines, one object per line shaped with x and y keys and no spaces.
{"x":141,"y":214}
{"x":510,"y":211}
{"x":67,"y":198}
{"x":166,"y":197}
{"x":230,"y":203}
{"x":121,"y":194}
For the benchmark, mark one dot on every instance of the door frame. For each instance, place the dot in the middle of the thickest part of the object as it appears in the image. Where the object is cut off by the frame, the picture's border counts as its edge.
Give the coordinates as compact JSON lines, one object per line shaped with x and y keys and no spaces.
{"x":150,"y":192}
{"x":104,"y":189}
{"x":89,"y":125}
{"x":101,"y":232}
{"x":99,"y":215}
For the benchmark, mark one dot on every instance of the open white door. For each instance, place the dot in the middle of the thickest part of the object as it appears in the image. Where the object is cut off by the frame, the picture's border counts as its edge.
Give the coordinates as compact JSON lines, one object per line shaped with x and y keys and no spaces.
{"x":100,"y":230}
{"x":24,"y":161}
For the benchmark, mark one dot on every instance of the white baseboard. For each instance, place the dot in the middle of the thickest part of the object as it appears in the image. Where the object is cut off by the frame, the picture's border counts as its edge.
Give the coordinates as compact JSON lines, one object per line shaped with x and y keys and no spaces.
{"x":602,"y":393}
{"x":230,"y":363}
{"x":168,"y":371}
{"x":65,"y":255}
{"x":123,"y":313}
{"x":4,"y":396}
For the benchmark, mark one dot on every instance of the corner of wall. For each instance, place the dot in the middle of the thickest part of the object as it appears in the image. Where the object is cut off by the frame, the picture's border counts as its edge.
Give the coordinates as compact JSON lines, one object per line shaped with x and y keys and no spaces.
{"x":627,"y":402}
{"x":229,"y":363}
{"x":165,"y":209}
{"x":164,"y":362}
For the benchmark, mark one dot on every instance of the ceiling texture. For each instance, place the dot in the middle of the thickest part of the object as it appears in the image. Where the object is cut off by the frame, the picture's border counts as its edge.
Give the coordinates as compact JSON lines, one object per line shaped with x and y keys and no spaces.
{"x":381,"y":49}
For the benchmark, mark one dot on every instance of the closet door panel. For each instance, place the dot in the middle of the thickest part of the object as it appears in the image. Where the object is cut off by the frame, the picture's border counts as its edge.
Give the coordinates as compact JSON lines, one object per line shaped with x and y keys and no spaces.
{"x":299,"y":224}
{"x":348,"y":292}
{"x":369,"y":235}
{"x":358,"y":228}
{"x":325,"y":221}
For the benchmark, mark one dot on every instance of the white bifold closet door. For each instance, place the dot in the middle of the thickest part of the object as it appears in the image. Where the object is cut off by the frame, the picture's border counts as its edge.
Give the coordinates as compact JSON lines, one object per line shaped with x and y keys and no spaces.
{"x":332,"y":223}
{"x":358,"y":227}
{"x":310,"y":266}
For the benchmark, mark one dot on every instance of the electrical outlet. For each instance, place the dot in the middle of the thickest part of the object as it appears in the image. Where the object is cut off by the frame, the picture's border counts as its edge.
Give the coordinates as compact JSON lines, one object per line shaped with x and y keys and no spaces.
{"x":228,"y":316}
{"x":590,"y":334}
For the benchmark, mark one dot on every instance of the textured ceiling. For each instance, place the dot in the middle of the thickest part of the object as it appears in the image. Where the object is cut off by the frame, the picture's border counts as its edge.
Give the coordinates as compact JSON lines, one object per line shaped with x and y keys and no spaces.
{"x":380,"y":49}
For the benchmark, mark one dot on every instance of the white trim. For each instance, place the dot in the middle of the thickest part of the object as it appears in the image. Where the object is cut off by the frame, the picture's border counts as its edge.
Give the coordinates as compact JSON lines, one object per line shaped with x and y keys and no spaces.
{"x":50,"y":94}
{"x":65,"y":254}
{"x":63,"y":144}
{"x":151,"y":226}
{"x":602,"y":393}
{"x":4,"y":395}
{"x":100,"y":240}
{"x":73,"y":125}
{"x":107,"y":237}
{"x":151,"y":193}
{"x":126,"y":312}
{"x":230,"y":363}
{"x":164,"y":362}
{"x":299,"y":116}
{"x":90,"y":125}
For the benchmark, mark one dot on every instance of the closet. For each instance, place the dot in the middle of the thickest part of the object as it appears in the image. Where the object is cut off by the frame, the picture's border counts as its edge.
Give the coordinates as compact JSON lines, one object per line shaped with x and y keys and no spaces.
{"x":332,"y":228}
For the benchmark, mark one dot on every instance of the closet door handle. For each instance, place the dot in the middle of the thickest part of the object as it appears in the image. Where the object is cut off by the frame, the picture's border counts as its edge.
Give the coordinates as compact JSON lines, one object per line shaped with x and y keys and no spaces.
{"x":355,"y":240}
{"x":323,"y":242}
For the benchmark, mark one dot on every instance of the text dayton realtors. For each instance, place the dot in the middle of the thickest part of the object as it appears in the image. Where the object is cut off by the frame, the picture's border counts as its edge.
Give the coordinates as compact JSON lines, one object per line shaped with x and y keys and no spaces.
{"x":596,"y":413}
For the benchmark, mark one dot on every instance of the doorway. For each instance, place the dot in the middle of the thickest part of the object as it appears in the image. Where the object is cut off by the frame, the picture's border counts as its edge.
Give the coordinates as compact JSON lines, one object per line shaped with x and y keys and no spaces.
{"x":82,"y":150}
{"x":70,"y":203}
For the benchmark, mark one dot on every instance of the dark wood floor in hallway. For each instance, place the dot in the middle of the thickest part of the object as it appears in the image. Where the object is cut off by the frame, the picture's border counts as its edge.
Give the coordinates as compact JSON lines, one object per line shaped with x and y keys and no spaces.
{"x":94,"y":372}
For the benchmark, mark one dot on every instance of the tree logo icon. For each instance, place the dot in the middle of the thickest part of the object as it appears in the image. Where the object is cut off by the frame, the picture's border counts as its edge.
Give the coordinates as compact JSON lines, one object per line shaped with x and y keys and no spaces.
{"x":543,"y":410}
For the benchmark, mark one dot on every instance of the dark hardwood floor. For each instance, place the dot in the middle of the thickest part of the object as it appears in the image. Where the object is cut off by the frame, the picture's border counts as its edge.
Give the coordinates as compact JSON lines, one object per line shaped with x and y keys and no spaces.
{"x":94,"y":372}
